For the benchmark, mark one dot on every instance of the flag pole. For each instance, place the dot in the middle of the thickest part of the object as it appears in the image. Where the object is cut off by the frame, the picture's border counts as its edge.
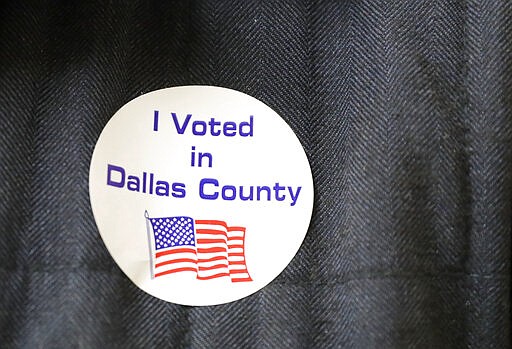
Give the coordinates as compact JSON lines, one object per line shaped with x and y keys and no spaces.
{"x":151,"y":271}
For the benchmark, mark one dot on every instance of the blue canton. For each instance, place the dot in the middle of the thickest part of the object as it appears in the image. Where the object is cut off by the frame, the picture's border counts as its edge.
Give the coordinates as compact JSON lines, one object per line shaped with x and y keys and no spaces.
{"x":173,"y":232}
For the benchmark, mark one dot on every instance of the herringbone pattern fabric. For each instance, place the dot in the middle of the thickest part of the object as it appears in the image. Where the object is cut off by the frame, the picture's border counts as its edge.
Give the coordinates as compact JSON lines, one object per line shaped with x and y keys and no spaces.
{"x":404,"y":109}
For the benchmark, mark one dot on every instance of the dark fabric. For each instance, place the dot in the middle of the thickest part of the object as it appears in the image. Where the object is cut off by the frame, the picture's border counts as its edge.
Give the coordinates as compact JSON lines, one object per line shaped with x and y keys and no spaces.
{"x":404,"y":109}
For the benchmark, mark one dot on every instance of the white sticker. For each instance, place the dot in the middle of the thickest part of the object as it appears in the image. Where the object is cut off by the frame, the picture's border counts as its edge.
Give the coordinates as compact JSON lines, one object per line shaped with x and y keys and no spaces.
{"x":201,"y":194}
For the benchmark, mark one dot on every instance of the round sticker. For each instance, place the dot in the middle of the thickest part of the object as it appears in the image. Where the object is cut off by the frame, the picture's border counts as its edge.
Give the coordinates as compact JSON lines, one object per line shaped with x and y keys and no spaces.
{"x":201,"y":194}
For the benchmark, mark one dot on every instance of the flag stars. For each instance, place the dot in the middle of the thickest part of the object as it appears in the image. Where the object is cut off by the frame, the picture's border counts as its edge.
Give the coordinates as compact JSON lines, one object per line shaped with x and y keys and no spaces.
{"x":173,"y":232}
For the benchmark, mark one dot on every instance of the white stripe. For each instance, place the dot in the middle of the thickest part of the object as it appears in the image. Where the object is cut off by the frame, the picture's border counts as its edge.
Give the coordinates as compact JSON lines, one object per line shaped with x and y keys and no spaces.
{"x":212,"y":263}
{"x":214,"y":244}
{"x":210,"y":236}
{"x":239,"y":276}
{"x":190,"y":255}
{"x":175,"y":266}
{"x":236,"y":233}
{"x":210,"y":226}
{"x":206,"y":273}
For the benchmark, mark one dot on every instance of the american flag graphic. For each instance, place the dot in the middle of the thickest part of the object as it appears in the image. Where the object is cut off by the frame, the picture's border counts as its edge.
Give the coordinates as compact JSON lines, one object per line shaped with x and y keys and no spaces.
{"x":209,"y":248}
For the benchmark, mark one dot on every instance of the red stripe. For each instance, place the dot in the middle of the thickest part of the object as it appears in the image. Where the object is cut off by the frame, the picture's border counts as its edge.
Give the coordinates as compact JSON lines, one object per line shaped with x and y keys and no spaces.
{"x":236,"y":254}
{"x":236,"y":246}
{"x":236,"y":238}
{"x":178,"y":250}
{"x":177,"y":270}
{"x":212,"y":222}
{"x":210,"y":241}
{"x":211,"y":231}
{"x":211,"y":250}
{"x":218,"y":258}
{"x":179,"y":260}
{"x":237,"y":263}
{"x":212,"y":276}
{"x":216,"y":266}
{"x":241,"y":280}
{"x":236,"y":229}
{"x":238,"y":271}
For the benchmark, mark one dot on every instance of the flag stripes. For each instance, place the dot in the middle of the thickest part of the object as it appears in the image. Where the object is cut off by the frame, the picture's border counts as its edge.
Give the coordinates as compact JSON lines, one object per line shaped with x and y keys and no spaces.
{"x":236,"y":254}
